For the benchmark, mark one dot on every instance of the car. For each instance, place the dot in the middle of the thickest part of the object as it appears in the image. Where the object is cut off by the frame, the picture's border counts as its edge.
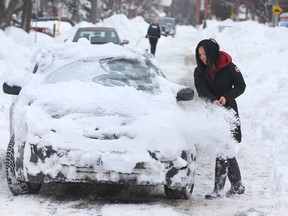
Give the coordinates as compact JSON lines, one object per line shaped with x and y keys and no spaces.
{"x":283,"y":19}
{"x":45,"y":19}
{"x":52,"y":26}
{"x":99,"y":35}
{"x":43,"y":30}
{"x":167,"y":25}
{"x":103,"y":116}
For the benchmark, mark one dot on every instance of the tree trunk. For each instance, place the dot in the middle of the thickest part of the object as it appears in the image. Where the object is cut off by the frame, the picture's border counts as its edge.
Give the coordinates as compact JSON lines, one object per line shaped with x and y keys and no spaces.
{"x":26,"y":16}
{"x":2,"y":9}
{"x":93,"y":13}
{"x":5,"y":15}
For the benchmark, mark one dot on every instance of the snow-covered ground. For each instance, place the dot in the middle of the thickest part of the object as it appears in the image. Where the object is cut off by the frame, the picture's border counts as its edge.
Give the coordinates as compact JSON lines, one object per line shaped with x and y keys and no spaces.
{"x":261,"y":54}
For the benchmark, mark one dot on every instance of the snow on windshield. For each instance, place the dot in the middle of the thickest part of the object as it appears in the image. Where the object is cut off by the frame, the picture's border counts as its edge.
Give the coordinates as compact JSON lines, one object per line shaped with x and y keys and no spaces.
{"x":109,"y":72}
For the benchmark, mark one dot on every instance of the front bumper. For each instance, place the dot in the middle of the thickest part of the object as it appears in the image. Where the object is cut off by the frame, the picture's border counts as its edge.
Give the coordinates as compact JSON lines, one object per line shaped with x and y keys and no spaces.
{"x":48,"y":165}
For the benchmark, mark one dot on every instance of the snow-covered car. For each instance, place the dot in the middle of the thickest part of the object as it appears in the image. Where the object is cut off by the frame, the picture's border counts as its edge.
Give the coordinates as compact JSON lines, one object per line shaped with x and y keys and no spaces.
{"x":104,"y":115}
{"x":283,"y":19}
{"x":168,"y":26}
{"x":99,"y":35}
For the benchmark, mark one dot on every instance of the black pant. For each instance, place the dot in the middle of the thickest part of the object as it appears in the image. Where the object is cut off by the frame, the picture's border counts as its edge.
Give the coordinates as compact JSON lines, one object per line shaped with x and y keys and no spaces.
{"x":226,"y":167}
{"x":153,"y":43}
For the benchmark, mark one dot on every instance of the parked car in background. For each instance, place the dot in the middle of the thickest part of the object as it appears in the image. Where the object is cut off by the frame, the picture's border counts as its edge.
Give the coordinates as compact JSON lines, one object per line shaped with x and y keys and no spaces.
{"x":283,"y":19}
{"x":99,"y":35}
{"x":43,"y":30}
{"x":105,"y":116}
{"x":52,"y":26}
{"x":167,"y":25}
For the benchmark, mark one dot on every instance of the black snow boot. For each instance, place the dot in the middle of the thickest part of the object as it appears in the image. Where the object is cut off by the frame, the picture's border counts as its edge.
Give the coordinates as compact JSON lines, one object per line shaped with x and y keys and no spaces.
{"x":221,"y":169}
{"x":235,"y":189}
{"x":234,"y":176}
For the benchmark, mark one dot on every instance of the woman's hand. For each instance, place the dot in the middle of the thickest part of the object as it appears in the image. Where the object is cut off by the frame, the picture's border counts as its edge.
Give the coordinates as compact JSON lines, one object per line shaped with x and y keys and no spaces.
{"x":221,"y":102}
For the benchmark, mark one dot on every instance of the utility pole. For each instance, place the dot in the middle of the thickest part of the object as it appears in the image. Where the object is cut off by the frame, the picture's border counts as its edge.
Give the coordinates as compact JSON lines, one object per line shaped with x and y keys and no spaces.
{"x":275,"y":15}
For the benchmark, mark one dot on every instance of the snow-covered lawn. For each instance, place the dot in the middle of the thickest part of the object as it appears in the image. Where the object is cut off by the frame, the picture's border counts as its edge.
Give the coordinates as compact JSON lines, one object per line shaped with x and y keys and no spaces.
{"x":261,"y":54}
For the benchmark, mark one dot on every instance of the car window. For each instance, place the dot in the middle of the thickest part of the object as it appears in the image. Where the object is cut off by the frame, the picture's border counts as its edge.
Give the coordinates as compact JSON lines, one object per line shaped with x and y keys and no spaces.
{"x":99,"y":36}
{"x":121,"y":72}
{"x":82,"y":70}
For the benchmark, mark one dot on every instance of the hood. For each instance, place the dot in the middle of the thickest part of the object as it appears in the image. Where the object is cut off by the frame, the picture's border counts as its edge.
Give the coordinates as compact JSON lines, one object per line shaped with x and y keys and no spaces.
{"x":78,"y":115}
{"x":224,"y":60}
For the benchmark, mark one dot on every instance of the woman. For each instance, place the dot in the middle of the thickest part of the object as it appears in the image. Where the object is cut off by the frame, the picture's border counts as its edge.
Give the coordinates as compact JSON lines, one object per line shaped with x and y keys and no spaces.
{"x":219,"y":81}
{"x":153,"y":33}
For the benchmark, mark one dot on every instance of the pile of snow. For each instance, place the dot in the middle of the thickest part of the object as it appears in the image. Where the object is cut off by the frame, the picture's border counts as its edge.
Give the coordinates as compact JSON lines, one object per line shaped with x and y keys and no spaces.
{"x":14,"y":56}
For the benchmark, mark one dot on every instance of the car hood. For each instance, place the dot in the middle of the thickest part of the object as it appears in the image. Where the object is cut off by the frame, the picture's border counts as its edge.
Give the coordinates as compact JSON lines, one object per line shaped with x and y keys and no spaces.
{"x":91,"y":117}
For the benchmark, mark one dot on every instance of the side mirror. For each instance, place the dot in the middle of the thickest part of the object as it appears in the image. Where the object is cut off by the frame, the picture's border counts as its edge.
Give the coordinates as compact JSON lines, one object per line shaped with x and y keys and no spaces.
{"x":12,"y":90}
{"x":124,"y":42}
{"x":185,"y":94}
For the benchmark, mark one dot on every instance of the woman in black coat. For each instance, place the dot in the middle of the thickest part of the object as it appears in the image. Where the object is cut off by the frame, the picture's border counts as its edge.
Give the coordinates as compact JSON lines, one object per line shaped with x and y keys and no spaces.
{"x":153,"y":34}
{"x":219,"y":81}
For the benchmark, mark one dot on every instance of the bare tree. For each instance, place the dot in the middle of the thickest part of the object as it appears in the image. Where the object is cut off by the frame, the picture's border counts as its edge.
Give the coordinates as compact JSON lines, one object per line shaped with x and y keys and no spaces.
{"x":26,"y":15}
{"x":6,"y":13}
{"x":93,"y":12}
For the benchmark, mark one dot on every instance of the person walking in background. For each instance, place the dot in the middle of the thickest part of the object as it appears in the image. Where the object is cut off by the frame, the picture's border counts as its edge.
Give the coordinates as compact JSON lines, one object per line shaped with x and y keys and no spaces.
{"x":219,"y":81}
{"x":153,"y":34}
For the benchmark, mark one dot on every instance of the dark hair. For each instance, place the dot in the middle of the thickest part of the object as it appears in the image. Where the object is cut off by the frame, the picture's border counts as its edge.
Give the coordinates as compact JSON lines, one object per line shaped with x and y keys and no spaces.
{"x":211,"y":49}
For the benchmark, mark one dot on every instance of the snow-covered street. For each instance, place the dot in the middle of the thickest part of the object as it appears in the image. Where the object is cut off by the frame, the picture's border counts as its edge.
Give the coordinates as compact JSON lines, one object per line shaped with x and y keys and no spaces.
{"x":261,"y":54}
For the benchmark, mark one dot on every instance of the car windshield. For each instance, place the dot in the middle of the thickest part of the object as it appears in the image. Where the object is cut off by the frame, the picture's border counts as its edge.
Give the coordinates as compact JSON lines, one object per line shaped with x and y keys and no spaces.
{"x":166,"y":21}
{"x":98,"y":36}
{"x":110,"y":72}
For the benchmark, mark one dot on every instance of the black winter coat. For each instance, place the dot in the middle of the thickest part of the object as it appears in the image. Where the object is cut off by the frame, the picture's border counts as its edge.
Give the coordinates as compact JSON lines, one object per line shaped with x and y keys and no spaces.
{"x":154,"y":31}
{"x":227,"y":82}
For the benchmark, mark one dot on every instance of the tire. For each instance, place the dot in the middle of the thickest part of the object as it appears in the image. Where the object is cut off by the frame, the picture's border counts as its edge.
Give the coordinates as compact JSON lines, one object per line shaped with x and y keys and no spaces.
{"x":17,"y":186}
{"x":184,"y":193}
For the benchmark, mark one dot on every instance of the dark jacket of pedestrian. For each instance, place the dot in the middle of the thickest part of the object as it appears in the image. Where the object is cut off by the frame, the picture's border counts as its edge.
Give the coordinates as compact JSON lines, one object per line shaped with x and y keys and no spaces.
{"x":153,"y":34}
{"x":226,"y":79}
{"x":154,"y":31}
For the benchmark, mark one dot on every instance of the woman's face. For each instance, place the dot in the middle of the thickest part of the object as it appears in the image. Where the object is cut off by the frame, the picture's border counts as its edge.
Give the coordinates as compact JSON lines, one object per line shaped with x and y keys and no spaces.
{"x":202,"y":55}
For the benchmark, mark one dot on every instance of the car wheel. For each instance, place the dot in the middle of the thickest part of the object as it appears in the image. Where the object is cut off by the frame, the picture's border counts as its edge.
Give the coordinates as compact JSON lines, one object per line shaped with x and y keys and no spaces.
{"x":184,"y":193}
{"x":17,"y":186}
